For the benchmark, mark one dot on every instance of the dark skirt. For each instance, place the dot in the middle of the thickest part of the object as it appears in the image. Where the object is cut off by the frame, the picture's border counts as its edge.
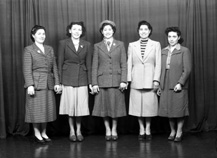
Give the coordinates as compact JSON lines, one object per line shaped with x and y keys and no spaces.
{"x":109,"y":102}
{"x":41,"y":107}
{"x":173,"y":104}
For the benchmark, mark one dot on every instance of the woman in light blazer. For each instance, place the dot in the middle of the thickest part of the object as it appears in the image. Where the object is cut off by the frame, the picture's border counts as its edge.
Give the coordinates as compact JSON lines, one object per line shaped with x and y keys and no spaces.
{"x":109,"y":78}
{"x":74,"y":65}
{"x":175,"y":73}
{"x":41,"y":78}
{"x":144,"y":68}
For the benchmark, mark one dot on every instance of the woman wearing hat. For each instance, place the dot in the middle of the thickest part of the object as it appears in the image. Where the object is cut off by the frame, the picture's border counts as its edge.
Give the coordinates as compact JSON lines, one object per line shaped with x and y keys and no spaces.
{"x":109,"y":78}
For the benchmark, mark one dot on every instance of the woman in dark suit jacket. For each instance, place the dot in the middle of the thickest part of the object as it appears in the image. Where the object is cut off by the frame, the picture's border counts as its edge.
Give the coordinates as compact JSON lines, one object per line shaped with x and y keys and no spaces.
{"x":175,"y":72}
{"x":41,"y":78}
{"x":109,"y":77}
{"x":74,"y":64}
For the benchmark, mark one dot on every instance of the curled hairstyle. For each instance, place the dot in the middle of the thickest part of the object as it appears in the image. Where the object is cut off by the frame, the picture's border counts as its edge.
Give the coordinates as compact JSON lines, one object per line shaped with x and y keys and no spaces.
{"x":76,"y":23}
{"x":34,"y":30}
{"x":177,"y":30}
{"x":143,"y":22}
{"x":105,"y":24}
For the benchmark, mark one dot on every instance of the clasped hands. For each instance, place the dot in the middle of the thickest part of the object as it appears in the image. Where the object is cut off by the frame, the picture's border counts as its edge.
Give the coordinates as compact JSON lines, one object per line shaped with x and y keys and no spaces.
{"x":95,"y":89}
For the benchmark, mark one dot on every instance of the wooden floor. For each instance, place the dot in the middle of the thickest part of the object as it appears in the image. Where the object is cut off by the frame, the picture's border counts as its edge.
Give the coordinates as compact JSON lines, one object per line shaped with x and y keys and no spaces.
{"x":199,"y":145}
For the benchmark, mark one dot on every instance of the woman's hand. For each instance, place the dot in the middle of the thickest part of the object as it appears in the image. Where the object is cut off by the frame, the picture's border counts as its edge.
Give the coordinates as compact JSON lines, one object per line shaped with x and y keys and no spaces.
{"x":91,"y":89}
{"x":31,"y":90}
{"x":58,"y":89}
{"x":123,"y":86}
{"x":178,"y":88}
{"x":159,"y":91}
{"x":95,"y":89}
{"x":155,"y":86}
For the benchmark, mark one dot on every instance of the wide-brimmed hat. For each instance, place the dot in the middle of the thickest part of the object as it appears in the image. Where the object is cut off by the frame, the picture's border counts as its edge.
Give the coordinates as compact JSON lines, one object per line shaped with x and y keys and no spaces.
{"x":107,"y":22}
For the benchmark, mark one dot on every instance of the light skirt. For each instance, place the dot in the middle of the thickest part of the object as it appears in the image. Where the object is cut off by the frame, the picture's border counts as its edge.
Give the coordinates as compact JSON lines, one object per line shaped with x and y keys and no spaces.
{"x":143,"y":103}
{"x":74,"y":101}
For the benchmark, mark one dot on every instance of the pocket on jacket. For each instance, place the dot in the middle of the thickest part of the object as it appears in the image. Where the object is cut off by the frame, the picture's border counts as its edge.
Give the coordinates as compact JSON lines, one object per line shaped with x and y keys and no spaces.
{"x":100,"y":73}
{"x":36,"y":77}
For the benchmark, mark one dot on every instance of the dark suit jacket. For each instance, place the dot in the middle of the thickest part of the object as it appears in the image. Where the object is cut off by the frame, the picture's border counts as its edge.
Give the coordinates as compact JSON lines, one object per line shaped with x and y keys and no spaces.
{"x":74,"y":66}
{"x":180,"y":67}
{"x":40,"y":70}
{"x":109,"y":68}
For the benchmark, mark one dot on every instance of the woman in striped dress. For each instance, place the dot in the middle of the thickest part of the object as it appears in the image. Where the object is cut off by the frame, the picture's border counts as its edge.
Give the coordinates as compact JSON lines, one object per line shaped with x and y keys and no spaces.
{"x":144,"y":68}
{"x":41,"y":78}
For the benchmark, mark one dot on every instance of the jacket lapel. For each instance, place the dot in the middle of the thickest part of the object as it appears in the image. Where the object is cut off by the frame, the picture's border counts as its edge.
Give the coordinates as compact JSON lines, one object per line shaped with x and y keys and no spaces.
{"x":103,"y":47}
{"x":71,"y":45}
{"x":81,"y":46}
{"x":113,"y":45}
{"x":148,"y":49}
{"x":37,"y":49}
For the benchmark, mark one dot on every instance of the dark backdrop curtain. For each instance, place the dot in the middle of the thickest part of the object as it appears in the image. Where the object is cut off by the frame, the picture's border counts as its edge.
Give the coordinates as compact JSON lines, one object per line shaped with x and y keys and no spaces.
{"x":196,"y":19}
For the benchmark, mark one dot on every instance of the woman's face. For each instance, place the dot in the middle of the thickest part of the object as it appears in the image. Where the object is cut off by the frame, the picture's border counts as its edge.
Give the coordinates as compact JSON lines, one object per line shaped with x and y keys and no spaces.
{"x":107,"y":32}
{"x":144,"y":31}
{"x":76,"y":31}
{"x":173,"y":38}
{"x":39,"y":36}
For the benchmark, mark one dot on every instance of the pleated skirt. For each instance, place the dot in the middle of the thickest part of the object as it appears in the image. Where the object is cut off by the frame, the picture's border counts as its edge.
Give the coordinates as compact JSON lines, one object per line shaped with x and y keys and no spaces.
{"x":41,"y":107}
{"x":74,"y":101}
{"x":143,"y":103}
{"x":109,"y":102}
{"x":173,"y":104}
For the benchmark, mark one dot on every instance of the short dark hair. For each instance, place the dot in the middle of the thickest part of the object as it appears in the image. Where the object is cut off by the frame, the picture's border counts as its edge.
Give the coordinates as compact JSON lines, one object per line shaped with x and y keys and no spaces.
{"x":34,"y":30}
{"x":143,"y":22}
{"x":76,"y":23}
{"x":177,"y":30}
{"x":105,"y":24}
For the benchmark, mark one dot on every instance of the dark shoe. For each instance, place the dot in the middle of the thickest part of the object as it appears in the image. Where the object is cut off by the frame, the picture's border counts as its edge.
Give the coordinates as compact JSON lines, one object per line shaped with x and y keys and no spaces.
{"x":47,"y":139}
{"x":115,"y":137}
{"x":108,"y":138}
{"x":148,"y":137}
{"x":72,"y":138}
{"x":141,"y":137}
{"x":171,"y":138}
{"x":39,"y":141}
{"x":178,"y":139}
{"x":80,"y":138}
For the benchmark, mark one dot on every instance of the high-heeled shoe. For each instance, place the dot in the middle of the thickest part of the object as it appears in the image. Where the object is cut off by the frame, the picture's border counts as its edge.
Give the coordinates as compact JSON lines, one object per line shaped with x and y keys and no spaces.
{"x":141,"y":137}
{"x":171,"y":138}
{"x":39,"y":141}
{"x":47,"y":139}
{"x":72,"y":138}
{"x":80,"y":138}
{"x":148,"y":137}
{"x":178,"y":139}
{"x":108,"y":137}
{"x":114,"y":137}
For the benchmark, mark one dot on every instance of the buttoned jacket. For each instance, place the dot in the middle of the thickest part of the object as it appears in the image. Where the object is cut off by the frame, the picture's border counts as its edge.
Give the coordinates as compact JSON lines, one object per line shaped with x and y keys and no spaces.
{"x":180,"y":67}
{"x":143,"y":71}
{"x":109,"y":68}
{"x":74,"y":66}
{"x":40,"y":69}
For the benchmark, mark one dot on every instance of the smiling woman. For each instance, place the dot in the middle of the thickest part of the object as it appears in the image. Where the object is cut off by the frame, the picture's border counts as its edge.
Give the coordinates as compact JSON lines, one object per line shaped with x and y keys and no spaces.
{"x":41,"y":78}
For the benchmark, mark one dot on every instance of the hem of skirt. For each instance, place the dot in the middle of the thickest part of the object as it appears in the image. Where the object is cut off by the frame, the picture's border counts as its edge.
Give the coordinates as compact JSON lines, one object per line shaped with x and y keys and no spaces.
{"x":28,"y":121}
{"x":138,"y":115}
{"x":75,"y":115}
{"x":112,"y":116}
